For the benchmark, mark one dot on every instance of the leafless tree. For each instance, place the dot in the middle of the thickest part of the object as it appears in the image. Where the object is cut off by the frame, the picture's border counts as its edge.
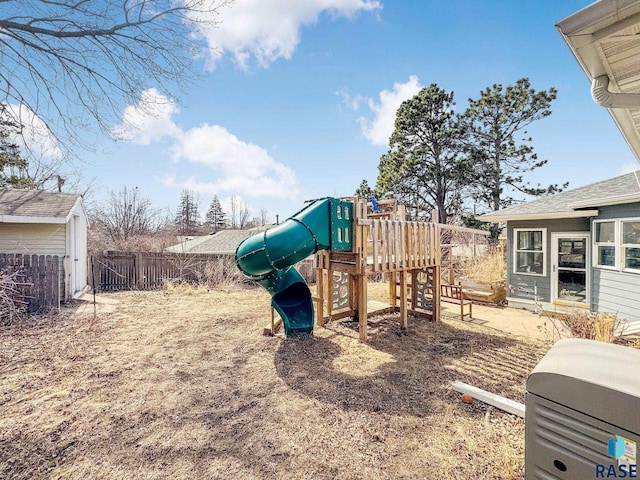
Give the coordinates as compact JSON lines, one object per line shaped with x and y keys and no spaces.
{"x":72,"y":64}
{"x":244,"y":214}
{"x":239,"y":214}
{"x":233,"y":214}
{"x":188,"y":215}
{"x":264,"y":216}
{"x":127,"y":214}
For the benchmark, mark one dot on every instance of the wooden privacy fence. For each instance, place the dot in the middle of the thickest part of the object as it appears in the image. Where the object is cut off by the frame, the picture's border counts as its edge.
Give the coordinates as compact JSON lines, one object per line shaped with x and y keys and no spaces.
{"x":39,"y":277}
{"x":147,"y":271}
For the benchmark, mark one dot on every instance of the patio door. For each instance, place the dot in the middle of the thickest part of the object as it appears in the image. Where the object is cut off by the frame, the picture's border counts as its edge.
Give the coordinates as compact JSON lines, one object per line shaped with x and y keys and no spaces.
{"x":570,"y":268}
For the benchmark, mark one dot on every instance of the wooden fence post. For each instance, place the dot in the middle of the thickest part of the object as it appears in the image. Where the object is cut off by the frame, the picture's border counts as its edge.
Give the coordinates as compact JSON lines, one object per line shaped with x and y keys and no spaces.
{"x":139,"y":270}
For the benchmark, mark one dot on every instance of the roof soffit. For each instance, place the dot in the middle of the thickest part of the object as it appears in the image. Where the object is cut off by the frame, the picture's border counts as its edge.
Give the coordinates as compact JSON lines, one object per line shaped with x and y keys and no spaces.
{"x":605,"y":39}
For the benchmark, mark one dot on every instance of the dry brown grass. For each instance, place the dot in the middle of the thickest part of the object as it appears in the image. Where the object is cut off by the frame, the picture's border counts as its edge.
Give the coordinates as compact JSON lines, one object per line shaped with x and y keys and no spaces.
{"x":488,"y":268}
{"x":221,"y":272}
{"x":182,"y":385}
{"x":590,"y":325}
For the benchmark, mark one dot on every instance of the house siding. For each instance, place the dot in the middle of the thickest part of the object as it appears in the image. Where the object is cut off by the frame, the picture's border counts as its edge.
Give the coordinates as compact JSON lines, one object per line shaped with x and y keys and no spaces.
{"x":25,"y":238}
{"x":615,"y":291}
{"x":619,"y":211}
{"x":537,"y":287}
{"x":37,"y":239}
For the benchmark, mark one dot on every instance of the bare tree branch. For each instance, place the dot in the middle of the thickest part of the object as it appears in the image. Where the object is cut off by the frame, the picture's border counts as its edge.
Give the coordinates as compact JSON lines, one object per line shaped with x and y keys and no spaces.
{"x":127,"y":214}
{"x":77,"y":63}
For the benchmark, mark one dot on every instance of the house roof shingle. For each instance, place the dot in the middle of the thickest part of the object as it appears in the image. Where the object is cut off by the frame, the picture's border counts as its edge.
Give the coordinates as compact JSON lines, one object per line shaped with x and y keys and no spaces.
{"x":222,"y":242}
{"x":36,"y":203}
{"x":578,"y":202}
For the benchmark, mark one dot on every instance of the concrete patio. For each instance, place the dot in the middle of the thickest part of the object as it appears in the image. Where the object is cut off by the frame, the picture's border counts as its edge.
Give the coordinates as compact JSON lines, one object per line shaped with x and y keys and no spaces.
{"x":511,"y":320}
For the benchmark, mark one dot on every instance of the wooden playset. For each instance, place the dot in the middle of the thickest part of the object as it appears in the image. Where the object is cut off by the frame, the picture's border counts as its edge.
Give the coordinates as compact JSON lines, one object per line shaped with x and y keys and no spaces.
{"x":382,"y":243}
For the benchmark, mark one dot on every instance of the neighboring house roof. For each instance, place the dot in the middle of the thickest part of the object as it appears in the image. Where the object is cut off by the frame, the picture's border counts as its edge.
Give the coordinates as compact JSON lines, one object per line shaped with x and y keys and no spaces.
{"x":604,"y":39}
{"x":222,"y":242}
{"x":187,"y":242}
{"x":36,"y":206}
{"x":578,"y":202}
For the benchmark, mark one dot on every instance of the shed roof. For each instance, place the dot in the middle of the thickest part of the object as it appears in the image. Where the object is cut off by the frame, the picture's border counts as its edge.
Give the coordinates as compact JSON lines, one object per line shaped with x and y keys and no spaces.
{"x":578,"y":202}
{"x":29,"y":206}
{"x":222,"y":242}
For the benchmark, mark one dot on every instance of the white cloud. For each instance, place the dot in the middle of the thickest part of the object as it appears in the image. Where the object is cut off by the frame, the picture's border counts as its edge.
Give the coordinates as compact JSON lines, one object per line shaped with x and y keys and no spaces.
{"x":243,"y":167}
{"x":379,"y":129}
{"x":149,"y":121}
{"x":265,"y":30}
{"x":35,"y":137}
{"x":353,"y":102}
{"x":238,"y":167}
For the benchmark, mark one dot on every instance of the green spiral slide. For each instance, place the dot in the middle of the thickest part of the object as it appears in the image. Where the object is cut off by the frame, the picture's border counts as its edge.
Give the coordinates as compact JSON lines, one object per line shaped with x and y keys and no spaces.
{"x":268,"y":257}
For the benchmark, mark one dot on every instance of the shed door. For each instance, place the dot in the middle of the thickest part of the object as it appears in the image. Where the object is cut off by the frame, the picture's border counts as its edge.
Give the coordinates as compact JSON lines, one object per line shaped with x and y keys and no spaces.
{"x":570,"y":268}
{"x":75,"y":270}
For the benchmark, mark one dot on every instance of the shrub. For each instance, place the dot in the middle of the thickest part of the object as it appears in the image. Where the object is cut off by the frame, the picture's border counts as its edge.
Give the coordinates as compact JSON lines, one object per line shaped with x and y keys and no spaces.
{"x":195,"y":274}
{"x":12,"y":299}
{"x":603,"y":327}
{"x":222,"y":271}
{"x":489,"y":268}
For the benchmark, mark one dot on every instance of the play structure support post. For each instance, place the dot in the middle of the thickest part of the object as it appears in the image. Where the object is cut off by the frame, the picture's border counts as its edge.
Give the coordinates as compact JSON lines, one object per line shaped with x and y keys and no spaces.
{"x":404,"y":323}
{"x":329,"y":290}
{"x":362,"y":307}
{"x":353,"y":298}
{"x":320,"y":293}
{"x":436,"y":293}
{"x":392,"y":289}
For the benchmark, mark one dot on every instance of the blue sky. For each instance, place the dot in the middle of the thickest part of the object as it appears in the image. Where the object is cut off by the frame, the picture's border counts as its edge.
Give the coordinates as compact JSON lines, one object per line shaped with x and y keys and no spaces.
{"x":299,"y":100}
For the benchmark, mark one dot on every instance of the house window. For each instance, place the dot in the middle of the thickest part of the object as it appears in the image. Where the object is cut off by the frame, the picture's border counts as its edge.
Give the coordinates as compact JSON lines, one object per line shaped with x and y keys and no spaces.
{"x":530,"y":251}
{"x":631,"y":245}
{"x":605,"y":244}
{"x":617,"y":244}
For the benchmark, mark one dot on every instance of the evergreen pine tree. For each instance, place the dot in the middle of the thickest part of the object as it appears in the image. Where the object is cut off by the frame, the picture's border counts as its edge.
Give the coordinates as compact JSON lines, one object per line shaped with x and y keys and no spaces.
{"x":216,"y":218}
{"x":12,"y":165}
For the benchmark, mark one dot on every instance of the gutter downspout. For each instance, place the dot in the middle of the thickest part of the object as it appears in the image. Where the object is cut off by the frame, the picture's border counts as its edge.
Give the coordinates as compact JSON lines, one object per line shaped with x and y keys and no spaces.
{"x":603,"y":97}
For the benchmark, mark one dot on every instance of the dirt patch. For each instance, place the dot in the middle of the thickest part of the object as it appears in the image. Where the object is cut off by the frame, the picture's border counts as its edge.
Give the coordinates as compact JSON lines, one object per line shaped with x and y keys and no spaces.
{"x":182,"y":385}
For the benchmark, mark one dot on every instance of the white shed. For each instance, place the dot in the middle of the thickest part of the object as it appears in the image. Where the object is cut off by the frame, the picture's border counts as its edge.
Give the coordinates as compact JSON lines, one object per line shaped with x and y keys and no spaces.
{"x":37,"y":222}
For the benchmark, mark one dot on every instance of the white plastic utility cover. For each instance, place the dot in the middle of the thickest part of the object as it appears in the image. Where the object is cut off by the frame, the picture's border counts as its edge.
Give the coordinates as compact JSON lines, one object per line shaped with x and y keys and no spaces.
{"x":580,"y":395}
